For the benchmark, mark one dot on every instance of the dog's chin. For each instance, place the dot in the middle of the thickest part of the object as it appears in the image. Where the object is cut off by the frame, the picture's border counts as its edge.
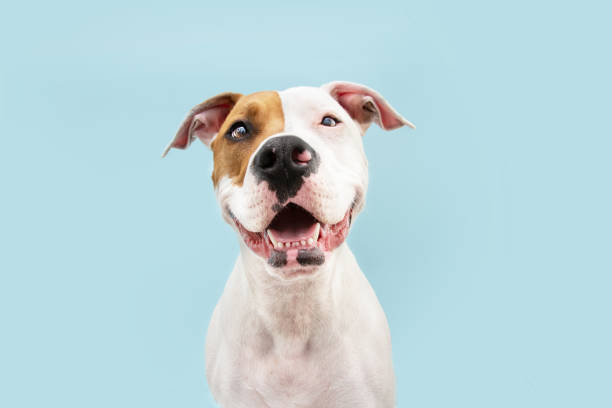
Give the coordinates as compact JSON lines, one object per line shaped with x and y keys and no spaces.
{"x":295,"y":242}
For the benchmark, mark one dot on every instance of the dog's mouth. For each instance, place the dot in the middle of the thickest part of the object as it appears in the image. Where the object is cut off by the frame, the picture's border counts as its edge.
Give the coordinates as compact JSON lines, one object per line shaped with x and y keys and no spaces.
{"x":296,"y":237}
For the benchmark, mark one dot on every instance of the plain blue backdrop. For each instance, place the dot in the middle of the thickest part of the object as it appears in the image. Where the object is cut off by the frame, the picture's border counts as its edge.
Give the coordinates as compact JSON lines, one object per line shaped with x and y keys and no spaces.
{"x":487,"y":229}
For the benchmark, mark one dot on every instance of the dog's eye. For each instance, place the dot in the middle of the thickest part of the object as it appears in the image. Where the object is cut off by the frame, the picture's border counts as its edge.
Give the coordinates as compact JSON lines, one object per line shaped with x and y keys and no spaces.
{"x":238,"y":131}
{"x":329,"y":121}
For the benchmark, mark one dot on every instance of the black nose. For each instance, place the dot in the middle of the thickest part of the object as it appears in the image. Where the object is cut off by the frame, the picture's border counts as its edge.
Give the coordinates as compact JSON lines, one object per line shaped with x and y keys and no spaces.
{"x":284,"y":162}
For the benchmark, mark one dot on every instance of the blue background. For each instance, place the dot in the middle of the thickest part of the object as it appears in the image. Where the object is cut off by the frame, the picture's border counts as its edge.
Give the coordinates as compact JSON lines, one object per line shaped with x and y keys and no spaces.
{"x":486,"y":234}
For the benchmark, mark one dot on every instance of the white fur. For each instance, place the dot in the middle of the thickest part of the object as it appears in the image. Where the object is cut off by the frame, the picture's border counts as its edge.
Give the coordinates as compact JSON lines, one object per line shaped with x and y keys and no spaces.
{"x":319,"y":340}
{"x":314,"y":342}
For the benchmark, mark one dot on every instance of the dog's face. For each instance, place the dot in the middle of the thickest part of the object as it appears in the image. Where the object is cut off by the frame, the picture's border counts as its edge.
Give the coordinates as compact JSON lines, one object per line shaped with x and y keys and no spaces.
{"x":290,"y":172}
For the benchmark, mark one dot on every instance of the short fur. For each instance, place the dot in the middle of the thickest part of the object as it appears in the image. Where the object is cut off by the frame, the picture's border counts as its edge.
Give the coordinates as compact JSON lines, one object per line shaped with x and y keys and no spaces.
{"x":309,"y":333}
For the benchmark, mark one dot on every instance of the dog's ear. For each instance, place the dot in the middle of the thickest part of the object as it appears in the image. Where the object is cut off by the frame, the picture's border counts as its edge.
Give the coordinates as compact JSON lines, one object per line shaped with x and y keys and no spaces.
{"x":365,"y":105}
{"x":203,"y":121}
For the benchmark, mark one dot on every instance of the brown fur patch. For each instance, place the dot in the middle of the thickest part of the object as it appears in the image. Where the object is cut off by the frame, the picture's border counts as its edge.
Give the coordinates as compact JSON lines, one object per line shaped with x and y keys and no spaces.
{"x":264,"y":112}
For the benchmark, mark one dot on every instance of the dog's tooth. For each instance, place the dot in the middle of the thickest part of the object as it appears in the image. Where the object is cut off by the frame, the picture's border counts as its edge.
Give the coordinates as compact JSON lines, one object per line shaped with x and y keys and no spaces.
{"x":315,"y":236}
{"x":279,"y":244}
{"x":310,"y":241}
{"x":274,"y":243}
{"x":303,"y":242}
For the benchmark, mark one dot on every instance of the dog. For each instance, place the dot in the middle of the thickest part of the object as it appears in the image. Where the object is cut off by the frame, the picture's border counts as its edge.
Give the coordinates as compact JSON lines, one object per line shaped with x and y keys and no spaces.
{"x":298,"y":324}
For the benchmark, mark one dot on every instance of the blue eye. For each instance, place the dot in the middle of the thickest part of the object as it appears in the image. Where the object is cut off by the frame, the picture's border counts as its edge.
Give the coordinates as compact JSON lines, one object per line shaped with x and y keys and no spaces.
{"x":238,"y":131}
{"x":329,"y":121}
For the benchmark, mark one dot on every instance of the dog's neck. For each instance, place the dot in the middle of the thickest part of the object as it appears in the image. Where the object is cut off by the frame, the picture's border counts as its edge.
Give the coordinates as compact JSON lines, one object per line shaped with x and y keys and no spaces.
{"x":292,"y":312}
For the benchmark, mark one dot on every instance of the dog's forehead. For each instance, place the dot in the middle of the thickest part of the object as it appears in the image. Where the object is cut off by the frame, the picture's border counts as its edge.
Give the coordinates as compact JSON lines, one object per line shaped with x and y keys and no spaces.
{"x":304,"y":101}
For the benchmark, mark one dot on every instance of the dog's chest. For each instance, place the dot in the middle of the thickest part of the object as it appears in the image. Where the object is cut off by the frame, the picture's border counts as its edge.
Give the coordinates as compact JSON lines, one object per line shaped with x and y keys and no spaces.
{"x":312,"y":378}
{"x":288,"y":382}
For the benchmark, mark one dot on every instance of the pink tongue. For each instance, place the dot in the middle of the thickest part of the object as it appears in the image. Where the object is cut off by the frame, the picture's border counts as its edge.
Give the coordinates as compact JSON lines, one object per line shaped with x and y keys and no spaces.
{"x":294,"y":232}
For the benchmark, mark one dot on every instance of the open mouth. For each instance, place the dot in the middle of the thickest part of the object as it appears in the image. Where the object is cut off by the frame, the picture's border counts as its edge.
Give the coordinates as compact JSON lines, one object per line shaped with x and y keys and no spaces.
{"x":293,"y":227}
{"x":295,"y":236}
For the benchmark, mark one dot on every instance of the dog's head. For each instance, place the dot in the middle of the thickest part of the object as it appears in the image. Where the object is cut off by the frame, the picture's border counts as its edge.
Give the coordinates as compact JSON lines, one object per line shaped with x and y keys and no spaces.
{"x":289,"y":171}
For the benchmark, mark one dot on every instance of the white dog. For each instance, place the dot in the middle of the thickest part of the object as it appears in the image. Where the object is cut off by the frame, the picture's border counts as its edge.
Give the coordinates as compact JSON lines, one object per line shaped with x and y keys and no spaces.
{"x":298,"y":324}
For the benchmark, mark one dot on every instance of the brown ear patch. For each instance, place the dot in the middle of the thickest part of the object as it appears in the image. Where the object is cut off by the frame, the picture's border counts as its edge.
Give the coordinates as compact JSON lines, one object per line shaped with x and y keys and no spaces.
{"x":264,"y":113}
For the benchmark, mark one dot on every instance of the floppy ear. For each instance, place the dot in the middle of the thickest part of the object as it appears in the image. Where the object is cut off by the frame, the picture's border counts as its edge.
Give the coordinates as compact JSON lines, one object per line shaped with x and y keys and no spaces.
{"x":203,"y":121}
{"x":365,"y":105}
